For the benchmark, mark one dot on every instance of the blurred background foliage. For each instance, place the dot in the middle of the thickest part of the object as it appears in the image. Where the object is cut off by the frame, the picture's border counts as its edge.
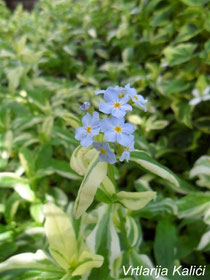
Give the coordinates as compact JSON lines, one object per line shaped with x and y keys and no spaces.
{"x":53,"y":59}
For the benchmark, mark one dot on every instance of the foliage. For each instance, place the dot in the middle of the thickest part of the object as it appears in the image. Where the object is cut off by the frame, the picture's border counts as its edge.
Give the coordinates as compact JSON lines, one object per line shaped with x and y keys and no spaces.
{"x":51,"y":61}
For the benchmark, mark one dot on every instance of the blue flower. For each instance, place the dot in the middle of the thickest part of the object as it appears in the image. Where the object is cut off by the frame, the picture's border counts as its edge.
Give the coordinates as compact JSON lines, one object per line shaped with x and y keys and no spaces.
{"x":97,"y":92}
{"x":119,"y":90}
{"x":105,"y":152}
{"x":137,"y":98}
{"x":89,"y":129}
{"x":85,"y":106}
{"x":126,"y":153}
{"x":116,"y":130}
{"x":115,"y":105}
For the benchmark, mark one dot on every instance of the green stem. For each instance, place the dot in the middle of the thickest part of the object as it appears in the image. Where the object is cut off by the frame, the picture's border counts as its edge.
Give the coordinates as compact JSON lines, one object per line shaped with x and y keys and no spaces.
{"x":111,"y":174}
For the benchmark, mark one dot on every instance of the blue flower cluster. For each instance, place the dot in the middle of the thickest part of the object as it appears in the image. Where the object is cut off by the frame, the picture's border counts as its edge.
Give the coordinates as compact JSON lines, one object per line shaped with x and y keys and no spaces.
{"x":114,"y":128}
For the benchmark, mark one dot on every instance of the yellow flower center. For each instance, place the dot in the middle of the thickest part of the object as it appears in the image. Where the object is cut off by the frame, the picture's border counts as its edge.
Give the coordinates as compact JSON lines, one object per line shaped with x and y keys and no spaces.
{"x":118,"y":129}
{"x":117,"y":105}
{"x":102,"y":151}
{"x":89,"y":128}
{"x":127,"y":149}
{"x":135,"y":97}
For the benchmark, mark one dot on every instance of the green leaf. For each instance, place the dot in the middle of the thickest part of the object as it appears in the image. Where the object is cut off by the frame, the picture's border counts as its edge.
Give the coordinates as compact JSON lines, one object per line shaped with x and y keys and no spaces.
{"x":20,"y":185}
{"x":10,"y":180}
{"x":37,"y":260}
{"x":187,"y":32}
{"x":161,"y":17}
{"x":203,"y":124}
{"x":72,"y":119}
{"x":182,"y":110}
{"x":135,"y":259}
{"x":153,"y":124}
{"x":27,"y":161}
{"x":25,"y":192}
{"x":135,"y":200}
{"x":11,"y":206}
{"x":14,"y":76}
{"x":133,"y":231}
{"x":7,"y":248}
{"x":105,"y":191}
{"x":36,"y":211}
{"x":94,"y":176}
{"x":58,"y":196}
{"x":146,"y":162}
{"x":47,"y":126}
{"x":193,"y":205}
{"x":105,"y":241}
{"x":61,"y":235}
{"x":64,"y":135}
{"x":201,"y":170}
{"x":205,"y":241}
{"x":63,"y":169}
{"x":173,"y":86}
{"x":108,"y":186}
{"x":195,"y":2}
{"x":46,"y":165}
{"x":166,"y":205}
{"x":179,"y":54}
{"x":165,"y":244}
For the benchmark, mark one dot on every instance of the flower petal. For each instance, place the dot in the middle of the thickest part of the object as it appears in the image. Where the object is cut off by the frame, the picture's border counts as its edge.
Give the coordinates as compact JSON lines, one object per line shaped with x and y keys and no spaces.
{"x":97,"y":145}
{"x":85,"y":106}
{"x":126,"y":107}
{"x":87,"y":141}
{"x":105,"y":107}
{"x":125,"y":99}
{"x":128,"y":128}
{"x":206,"y":90}
{"x":106,"y":124}
{"x":111,"y":157}
{"x":122,"y":157}
{"x":87,"y":120}
{"x":116,"y":121}
{"x":195,"y":92}
{"x":141,"y":99}
{"x":118,"y":113}
{"x":124,"y":139}
{"x":110,"y":136}
{"x":99,"y":91}
{"x":142,"y":106}
{"x":125,"y":156}
{"x":195,"y":101}
{"x":95,"y":131}
{"x":206,"y":97}
{"x":111,"y":96}
{"x":80,"y":133}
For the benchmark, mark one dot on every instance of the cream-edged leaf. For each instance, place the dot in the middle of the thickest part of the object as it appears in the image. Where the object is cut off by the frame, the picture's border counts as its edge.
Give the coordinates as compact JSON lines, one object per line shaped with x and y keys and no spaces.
{"x":38,"y":260}
{"x":201,"y":169}
{"x":115,"y":255}
{"x":145,"y":161}
{"x":86,"y":262}
{"x":76,"y":165}
{"x":20,"y":185}
{"x":107,"y":186}
{"x":81,"y":159}
{"x":96,"y":173}
{"x":135,"y":200}
{"x":60,"y":234}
